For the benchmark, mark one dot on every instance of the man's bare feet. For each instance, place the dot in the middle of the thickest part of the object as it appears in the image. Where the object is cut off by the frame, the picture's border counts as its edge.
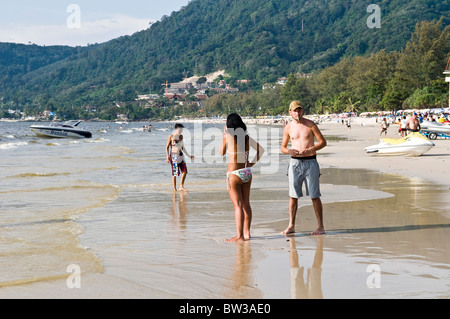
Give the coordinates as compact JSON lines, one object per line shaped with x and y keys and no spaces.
{"x":289,"y":230}
{"x":319,"y":231}
{"x":235,"y":239}
{"x":247,"y":237}
{"x":184,"y":190}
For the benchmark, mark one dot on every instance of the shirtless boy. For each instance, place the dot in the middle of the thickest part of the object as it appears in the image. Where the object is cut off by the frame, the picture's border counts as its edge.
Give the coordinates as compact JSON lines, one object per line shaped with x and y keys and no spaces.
{"x":303,"y":166}
{"x":175,"y":151}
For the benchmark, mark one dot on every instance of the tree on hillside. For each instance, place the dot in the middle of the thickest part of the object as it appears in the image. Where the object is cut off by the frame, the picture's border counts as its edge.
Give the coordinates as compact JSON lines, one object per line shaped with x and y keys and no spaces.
{"x":421,"y":62}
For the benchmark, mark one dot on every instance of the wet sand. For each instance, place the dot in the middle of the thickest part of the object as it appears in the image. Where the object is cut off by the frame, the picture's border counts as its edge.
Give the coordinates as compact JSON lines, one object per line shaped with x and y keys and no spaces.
{"x":384,"y":214}
{"x":404,"y":238}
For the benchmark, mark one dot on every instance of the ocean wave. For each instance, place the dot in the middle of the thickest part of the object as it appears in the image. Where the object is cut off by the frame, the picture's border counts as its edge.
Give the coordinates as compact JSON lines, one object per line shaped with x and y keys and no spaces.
{"x":97,"y":140}
{"x":31,"y":280}
{"x":7,"y":146}
{"x":30,"y":175}
{"x":127,"y":131}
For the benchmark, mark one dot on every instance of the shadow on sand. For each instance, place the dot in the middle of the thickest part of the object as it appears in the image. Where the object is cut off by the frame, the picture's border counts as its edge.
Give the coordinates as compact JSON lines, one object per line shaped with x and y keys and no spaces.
{"x":359,"y":230}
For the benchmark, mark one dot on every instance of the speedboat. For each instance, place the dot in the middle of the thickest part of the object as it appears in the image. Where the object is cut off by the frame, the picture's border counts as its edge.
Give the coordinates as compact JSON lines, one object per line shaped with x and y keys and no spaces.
{"x":415,"y":144}
{"x":67,"y":129}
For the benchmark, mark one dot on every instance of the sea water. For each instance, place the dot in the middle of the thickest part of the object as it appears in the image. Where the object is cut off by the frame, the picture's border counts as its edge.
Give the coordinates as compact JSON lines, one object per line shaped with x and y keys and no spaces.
{"x":62,"y":199}
{"x":106,"y":205}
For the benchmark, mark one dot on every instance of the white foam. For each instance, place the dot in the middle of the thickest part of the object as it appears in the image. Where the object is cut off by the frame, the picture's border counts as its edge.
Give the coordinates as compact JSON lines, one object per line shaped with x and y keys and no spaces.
{"x":98,"y":140}
{"x":7,"y":146}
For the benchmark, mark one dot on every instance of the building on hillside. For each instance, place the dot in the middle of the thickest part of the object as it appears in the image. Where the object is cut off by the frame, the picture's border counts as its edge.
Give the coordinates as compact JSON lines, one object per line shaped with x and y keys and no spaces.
{"x":147,"y":97}
{"x":282,"y":80}
{"x":180,"y":87}
{"x":227,"y":90}
{"x":175,"y":97}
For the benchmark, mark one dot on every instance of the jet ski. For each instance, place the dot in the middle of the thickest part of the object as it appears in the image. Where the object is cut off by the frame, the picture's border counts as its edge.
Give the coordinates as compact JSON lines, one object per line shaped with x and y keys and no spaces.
{"x":61,"y":130}
{"x":415,"y":144}
{"x":435,"y":127}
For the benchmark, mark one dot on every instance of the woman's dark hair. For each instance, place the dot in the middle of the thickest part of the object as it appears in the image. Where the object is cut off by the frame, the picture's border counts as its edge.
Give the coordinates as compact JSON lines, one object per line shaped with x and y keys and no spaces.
{"x":237,"y":128}
{"x":234,"y":121}
{"x":179,"y":125}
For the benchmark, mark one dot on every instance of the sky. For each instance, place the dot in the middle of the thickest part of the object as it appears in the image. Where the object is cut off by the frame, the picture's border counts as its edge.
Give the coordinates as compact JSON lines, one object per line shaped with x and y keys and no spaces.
{"x":78,"y":22}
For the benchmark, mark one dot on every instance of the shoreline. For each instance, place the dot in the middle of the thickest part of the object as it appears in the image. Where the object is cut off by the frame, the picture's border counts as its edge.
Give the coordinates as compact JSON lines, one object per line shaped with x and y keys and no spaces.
{"x":363,"y":133}
{"x":350,"y":153}
{"x":361,"y":231}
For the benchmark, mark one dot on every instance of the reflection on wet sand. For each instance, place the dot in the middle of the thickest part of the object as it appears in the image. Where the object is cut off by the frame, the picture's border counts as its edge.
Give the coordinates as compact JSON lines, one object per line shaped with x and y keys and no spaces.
{"x":242,"y":282}
{"x":179,"y":210}
{"x":312,"y":288}
{"x":405,"y":235}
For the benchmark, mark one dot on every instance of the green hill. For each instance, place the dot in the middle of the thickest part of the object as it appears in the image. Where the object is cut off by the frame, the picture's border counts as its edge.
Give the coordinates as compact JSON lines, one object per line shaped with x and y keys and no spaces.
{"x":259,"y":40}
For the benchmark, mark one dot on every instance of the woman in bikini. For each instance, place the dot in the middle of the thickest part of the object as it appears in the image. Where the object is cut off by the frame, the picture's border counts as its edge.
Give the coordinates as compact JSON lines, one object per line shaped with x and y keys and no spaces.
{"x":239,"y":176}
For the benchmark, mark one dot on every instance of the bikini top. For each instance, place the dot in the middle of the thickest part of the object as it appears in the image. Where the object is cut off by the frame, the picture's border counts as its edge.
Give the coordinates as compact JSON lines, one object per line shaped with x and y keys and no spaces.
{"x":246,"y":156}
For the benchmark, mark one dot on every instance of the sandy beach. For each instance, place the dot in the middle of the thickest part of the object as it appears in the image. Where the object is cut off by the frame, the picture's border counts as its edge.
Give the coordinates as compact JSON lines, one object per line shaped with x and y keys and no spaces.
{"x":432,"y":166}
{"x":387,"y":223}
{"x":398,"y":235}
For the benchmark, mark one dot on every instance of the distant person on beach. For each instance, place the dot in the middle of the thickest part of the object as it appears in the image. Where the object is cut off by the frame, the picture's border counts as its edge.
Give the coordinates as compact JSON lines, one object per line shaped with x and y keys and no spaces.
{"x":303,"y":167}
{"x":403,"y":126}
{"x":413,"y":124}
{"x":175,"y":151}
{"x":239,"y":176}
{"x":384,"y":127}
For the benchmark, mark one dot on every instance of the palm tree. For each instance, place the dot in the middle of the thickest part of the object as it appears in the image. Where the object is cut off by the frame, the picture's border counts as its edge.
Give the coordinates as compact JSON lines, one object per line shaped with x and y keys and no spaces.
{"x":352,"y":106}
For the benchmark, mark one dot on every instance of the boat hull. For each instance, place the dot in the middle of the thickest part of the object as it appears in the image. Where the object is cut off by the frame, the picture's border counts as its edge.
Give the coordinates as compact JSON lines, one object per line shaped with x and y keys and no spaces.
{"x":55,"y":132}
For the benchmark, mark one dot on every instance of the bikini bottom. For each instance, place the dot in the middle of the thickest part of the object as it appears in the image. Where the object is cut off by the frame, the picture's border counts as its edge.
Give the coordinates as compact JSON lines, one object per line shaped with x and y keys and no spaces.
{"x":244,"y":174}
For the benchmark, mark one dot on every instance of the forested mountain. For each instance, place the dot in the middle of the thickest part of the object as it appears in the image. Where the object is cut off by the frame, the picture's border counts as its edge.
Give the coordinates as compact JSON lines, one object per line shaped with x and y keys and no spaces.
{"x":258,"y":40}
{"x":18,"y":59}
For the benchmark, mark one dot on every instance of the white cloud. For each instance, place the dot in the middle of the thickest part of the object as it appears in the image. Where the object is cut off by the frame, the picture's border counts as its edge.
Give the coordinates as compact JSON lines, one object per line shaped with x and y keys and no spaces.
{"x":98,"y":31}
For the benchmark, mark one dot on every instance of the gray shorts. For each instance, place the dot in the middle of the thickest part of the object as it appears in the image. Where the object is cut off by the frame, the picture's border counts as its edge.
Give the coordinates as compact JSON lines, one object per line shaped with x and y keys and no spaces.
{"x":304,"y":171}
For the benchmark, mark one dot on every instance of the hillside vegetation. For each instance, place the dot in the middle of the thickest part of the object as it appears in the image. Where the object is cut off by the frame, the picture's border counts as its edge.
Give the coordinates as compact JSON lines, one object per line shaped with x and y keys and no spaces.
{"x":257,"y":40}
